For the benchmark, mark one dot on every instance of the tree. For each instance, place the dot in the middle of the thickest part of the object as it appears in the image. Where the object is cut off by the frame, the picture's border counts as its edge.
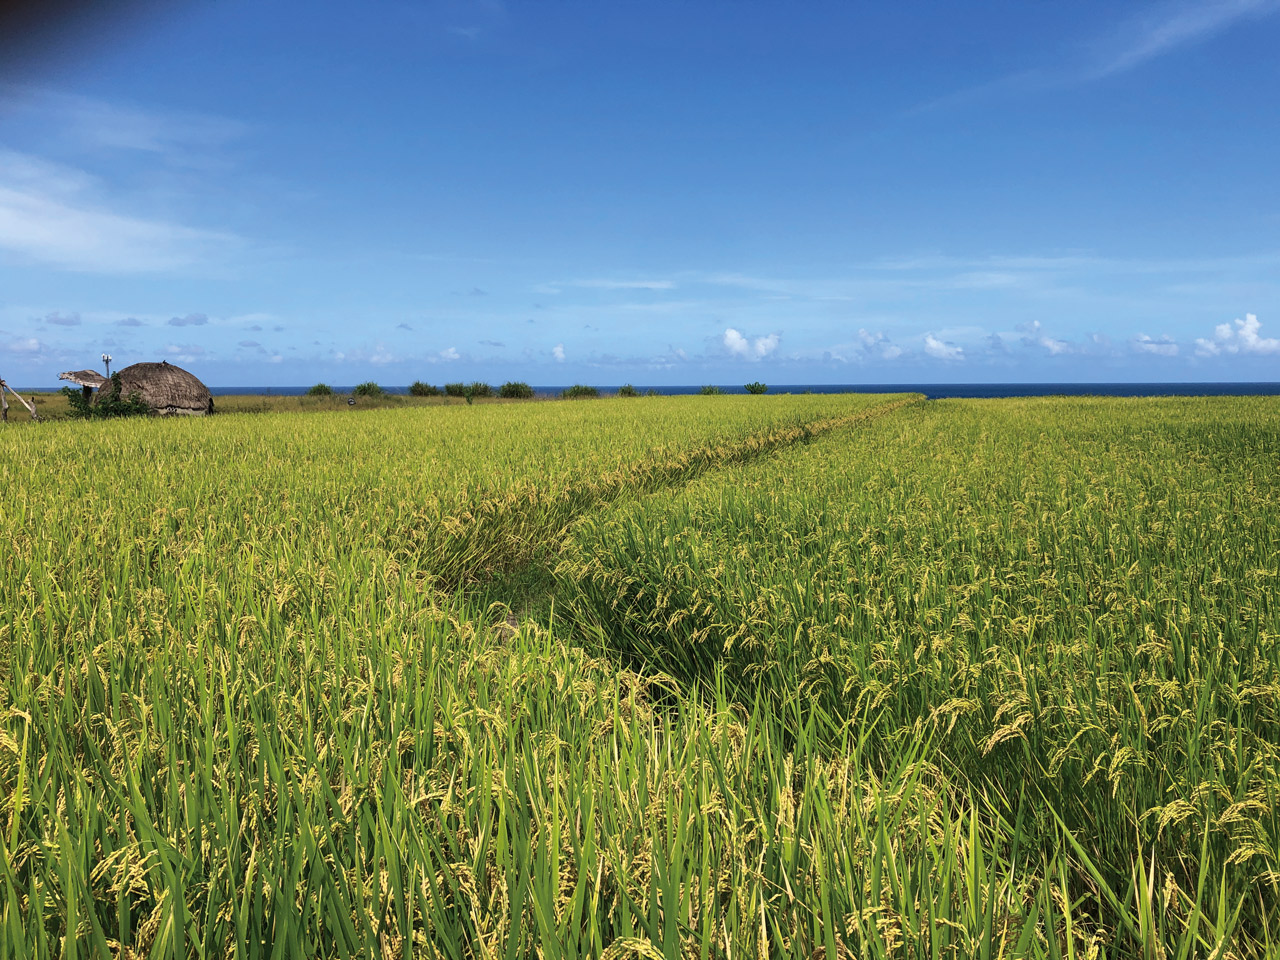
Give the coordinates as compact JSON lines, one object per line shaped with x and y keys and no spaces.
{"x":109,"y":403}
{"x":515,"y":390}
{"x":756,"y":387}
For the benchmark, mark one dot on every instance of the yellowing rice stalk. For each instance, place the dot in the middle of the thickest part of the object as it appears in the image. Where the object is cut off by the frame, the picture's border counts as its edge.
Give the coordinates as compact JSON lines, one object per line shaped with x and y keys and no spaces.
{"x":1069,"y":603}
{"x":826,"y":677}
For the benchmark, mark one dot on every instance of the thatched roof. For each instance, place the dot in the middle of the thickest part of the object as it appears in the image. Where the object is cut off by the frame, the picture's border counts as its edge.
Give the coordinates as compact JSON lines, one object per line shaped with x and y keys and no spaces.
{"x":167,"y":389}
{"x":84,"y":378}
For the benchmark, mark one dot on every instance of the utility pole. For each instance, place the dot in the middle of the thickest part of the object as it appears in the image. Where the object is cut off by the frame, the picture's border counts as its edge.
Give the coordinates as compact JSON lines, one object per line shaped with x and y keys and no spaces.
{"x":106,"y":358}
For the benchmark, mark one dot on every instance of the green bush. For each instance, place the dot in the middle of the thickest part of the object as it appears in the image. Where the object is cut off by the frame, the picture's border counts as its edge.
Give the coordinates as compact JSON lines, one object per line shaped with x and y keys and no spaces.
{"x":320,"y":390}
{"x":710,"y":390}
{"x":627,"y":390}
{"x":580,"y":391}
{"x":515,"y":390}
{"x":420,"y":389}
{"x":455,"y":389}
{"x":652,"y":393}
{"x":479,"y":389}
{"x":756,"y":387}
{"x":367,"y":389}
{"x":109,"y":403}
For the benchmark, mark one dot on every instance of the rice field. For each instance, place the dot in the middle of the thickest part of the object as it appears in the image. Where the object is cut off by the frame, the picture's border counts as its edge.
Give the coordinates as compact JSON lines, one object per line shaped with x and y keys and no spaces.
{"x":1063,"y":610}
{"x":813,"y":677}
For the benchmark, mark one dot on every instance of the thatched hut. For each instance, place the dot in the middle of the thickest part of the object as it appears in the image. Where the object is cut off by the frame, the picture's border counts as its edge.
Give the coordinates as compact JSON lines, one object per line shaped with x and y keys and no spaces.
{"x":90,"y":380}
{"x":166,"y":389}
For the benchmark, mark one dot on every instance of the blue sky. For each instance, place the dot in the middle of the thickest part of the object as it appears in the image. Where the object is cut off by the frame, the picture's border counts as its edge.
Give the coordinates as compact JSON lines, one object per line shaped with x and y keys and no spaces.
{"x":662,"y":192}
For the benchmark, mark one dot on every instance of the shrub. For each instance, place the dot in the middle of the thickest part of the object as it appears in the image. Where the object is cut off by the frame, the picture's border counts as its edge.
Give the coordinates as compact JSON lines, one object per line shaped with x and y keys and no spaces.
{"x":420,"y":389}
{"x":109,"y":403}
{"x":627,"y":390}
{"x":652,"y":393}
{"x":756,"y":387}
{"x":479,"y":389}
{"x":515,"y":390}
{"x":710,"y":390}
{"x":455,"y":389}
{"x":367,"y":389}
{"x":320,"y":390}
{"x":580,"y":391}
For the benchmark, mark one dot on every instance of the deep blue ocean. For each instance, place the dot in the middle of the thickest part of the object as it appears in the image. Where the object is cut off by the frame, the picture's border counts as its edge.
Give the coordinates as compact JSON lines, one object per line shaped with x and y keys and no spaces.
{"x":933,"y":391}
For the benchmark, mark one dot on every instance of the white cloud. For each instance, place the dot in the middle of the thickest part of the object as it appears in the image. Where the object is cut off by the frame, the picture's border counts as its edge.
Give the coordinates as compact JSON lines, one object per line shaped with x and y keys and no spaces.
{"x":1182,"y":24}
{"x":1036,"y":337}
{"x":1055,"y":346}
{"x":623,"y":284}
{"x":185,"y":353}
{"x":1243,"y":337}
{"x":747,"y":348}
{"x":1173,"y":25}
{"x":878,"y":344}
{"x":97,"y":124}
{"x":46,"y":216}
{"x":1162,"y":347}
{"x":450,"y":354}
{"x":25,"y":345}
{"x":941,"y":351}
{"x":558,"y":352}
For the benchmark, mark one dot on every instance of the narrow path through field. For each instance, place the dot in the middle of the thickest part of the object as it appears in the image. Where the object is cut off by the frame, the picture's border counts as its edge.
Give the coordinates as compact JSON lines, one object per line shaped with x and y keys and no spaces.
{"x":524,"y":590}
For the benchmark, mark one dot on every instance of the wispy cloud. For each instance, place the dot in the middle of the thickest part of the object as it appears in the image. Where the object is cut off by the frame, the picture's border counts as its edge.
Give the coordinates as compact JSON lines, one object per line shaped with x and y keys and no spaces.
{"x":101,"y":125}
{"x":1160,"y":347}
{"x":1163,"y":29}
{"x":1170,"y":26}
{"x":1034,"y":336}
{"x":52,"y":214}
{"x":604,"y":284}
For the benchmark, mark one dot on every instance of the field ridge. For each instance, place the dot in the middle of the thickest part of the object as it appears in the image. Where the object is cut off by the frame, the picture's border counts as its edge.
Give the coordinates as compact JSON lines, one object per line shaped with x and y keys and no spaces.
{"x":507,"y":531}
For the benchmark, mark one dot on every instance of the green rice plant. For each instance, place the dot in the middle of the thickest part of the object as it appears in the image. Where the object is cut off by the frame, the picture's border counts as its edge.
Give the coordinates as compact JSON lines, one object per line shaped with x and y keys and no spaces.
{"x":1070,"y":594}
{"x":240,"y":717}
